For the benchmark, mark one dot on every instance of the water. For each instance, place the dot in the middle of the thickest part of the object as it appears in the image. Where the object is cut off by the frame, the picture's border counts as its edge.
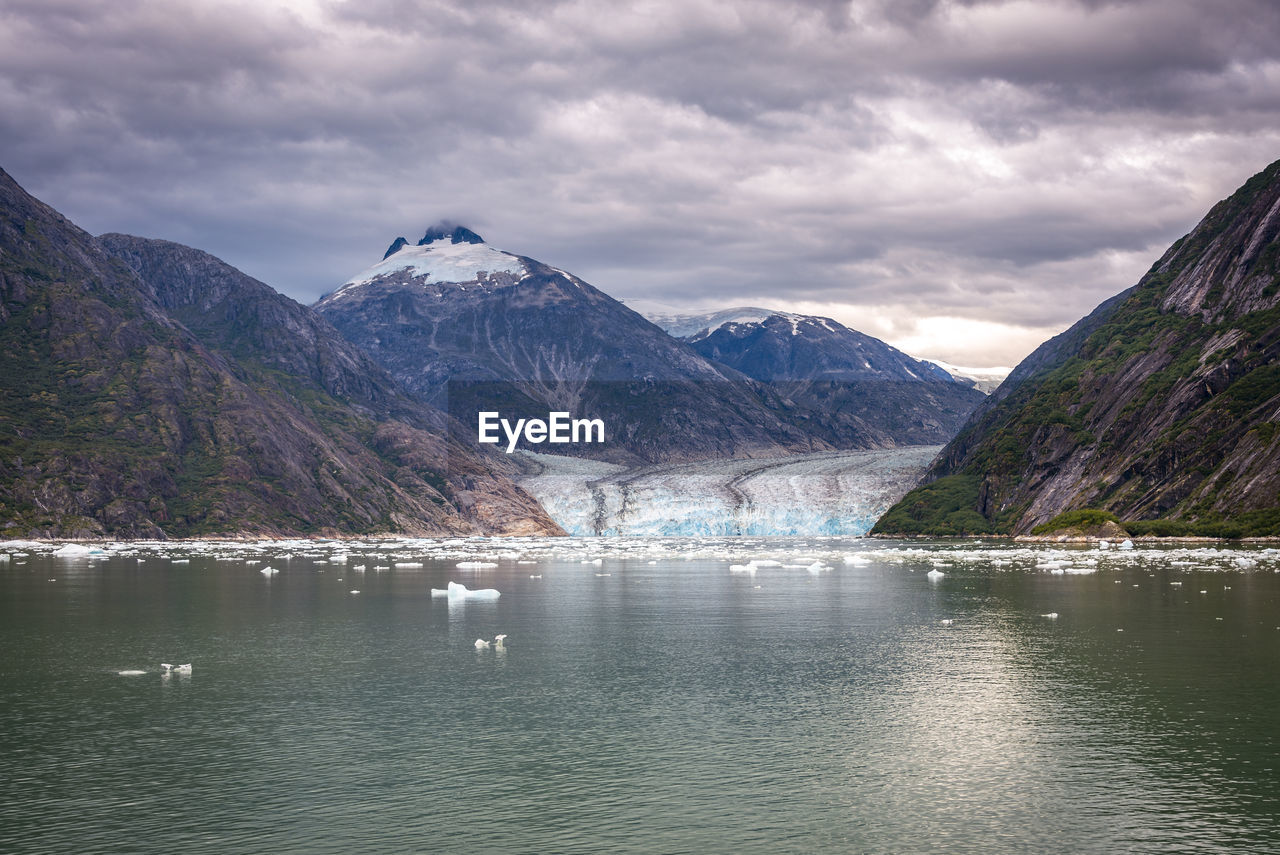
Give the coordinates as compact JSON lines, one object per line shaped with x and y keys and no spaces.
{"x":641,"y":707}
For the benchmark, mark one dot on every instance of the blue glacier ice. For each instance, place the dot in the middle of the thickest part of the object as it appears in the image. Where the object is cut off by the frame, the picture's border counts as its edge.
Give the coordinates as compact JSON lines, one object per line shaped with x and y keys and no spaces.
{"x":832,"y":493}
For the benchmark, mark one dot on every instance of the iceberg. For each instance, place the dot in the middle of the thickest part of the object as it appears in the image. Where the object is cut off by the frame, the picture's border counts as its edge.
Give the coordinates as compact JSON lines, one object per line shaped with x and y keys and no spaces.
{"x":461,"y":592}
{"x":828,"y":493}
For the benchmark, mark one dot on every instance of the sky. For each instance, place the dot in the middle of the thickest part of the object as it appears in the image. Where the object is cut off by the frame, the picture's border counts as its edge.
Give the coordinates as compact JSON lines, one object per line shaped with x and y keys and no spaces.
{"x":961,"y":179}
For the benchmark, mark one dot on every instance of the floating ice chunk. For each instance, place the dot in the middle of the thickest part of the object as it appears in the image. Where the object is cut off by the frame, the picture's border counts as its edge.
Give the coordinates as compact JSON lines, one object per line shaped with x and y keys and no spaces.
{"x":268,"y":571}
{"x":817,"y":567}
{"x":473,"y":565}
{"x":131,"y":673}
{"x":72,"y":550}
{"x":339,"y":558}
{"x":1104,"y":544}
{"x":946,"y":621}
{"x":1080,"y":571}
{"x":175,"y":669}
{"x":353,"y":591}
{"x":481,"y":644}
{"x":408,"y":565}
{"x":764,"y":562}
{"x":535,"y":576}
{"x":856,"y":560}
{"x":1050,"y":616}
{"x":180,"y":561}
{"x":935,"y":575}
{"x":742,"y":568}
{"x":1125,"y":544}
{"x":359,"y":568}
{"x":460,"y":592}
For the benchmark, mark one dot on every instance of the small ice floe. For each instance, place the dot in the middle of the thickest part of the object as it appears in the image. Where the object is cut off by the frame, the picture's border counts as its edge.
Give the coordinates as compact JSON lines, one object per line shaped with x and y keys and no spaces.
{"x":935,"y":575}
{"x":339,"y":558}
{"x":749,"y":569}
{"x":408,"y":565}
{"x":1125,"y":544}
{"x":1104,"y":544}
{"x":535,"y":575}
{"x":856,"y":560}
{"x":817,"y":567}
{"x":359,"y":568}
{"x":1204,"y":592}
{"x":526,"y":562}
{"x":131,"y":672}
{"x":72,"y":550}
{"x":764,"y":562}
{"x":460,"y":592}
{"x":354,"y":591}
{"x":1176,"y":584}
{"x":473,"y":565}
{"x":946,"y":621}
{"x":596,"y":561}
{"x":481,"y":644}
{"x":1050,"y":616}
{"x":180,"y":561}
{"x":268,"y":571}
{"x":175,"y":669}
{"x":604,"y":574}
{"x":381,"y":567}
{"x":499,"y":640}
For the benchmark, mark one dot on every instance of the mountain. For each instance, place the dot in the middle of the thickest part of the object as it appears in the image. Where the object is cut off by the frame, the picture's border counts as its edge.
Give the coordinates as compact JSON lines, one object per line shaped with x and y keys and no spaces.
{"x":150,"y":390}
{"x":985,"y":380}
{"x":1162,"y":407}
{"x":833,"y":371}
{"x":470,"y":327}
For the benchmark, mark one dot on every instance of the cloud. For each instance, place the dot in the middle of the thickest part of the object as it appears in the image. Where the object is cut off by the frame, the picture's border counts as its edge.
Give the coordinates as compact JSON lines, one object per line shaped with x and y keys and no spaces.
{"x":1002,"y":163}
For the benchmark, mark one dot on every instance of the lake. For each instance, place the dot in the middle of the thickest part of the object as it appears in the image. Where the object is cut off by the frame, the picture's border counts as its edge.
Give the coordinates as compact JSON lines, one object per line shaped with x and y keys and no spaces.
{"x":652,"y":695}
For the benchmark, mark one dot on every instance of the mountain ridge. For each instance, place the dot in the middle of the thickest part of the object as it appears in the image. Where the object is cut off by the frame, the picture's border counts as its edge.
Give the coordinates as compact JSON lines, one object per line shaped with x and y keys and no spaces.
{"x":1162,"y":406}
{"x":117,"y":419}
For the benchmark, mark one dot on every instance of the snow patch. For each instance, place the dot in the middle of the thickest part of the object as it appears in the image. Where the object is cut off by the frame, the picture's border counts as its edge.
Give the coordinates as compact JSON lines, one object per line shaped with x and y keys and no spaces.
{"x":440,"y":261}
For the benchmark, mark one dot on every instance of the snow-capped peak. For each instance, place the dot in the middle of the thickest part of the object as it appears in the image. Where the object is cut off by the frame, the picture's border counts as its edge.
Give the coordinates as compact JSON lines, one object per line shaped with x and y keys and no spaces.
{"x":442,"y":258}
{"x":686,"y":325}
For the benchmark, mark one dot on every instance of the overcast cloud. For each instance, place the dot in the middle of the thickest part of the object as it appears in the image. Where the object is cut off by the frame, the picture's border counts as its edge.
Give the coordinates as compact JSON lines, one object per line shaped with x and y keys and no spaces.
{"x":962,"y":179}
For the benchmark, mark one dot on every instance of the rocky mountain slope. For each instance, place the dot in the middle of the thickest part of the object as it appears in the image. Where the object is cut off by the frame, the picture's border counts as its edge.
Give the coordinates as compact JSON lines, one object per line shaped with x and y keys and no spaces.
{"x":470,"y":327}
{"x":838,"y":373}
{"x":1161,"y":407}
{"x":152,"y":391}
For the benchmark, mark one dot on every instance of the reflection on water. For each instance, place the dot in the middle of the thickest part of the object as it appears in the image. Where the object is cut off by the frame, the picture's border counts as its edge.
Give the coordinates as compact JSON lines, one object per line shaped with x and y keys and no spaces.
{"x":655,"y":702}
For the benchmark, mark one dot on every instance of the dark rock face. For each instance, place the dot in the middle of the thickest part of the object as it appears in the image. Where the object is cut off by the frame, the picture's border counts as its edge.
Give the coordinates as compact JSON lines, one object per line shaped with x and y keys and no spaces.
{"x":463,"y":325}
{"x":839,"y":374}
{"x":150,"y":390}
{"x":1163,"y":404}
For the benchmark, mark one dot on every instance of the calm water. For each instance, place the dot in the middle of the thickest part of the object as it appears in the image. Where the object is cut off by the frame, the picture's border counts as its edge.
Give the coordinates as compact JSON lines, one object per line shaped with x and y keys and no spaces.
{"x":641,"y":707}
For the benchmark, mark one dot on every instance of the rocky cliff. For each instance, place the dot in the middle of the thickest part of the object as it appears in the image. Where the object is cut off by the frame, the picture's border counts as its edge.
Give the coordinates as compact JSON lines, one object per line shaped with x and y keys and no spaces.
{"x":1162,"y":407}
{"x":150,"y":391}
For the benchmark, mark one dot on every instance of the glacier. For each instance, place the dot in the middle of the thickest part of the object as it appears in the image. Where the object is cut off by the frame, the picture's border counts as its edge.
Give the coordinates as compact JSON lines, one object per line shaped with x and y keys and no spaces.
{"x":829,"y":493}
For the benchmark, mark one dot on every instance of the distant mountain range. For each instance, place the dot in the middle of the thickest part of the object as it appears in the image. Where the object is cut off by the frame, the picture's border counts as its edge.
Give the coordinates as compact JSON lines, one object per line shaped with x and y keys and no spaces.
{"x":150,"y":390}
{"x":1161,"y":408}
{"x":469,"y":327}
{"x":839,"y":375}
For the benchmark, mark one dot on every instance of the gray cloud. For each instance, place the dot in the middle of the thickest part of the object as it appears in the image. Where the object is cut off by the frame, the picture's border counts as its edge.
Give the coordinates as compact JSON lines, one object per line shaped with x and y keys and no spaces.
{"x":1003,"y":162}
